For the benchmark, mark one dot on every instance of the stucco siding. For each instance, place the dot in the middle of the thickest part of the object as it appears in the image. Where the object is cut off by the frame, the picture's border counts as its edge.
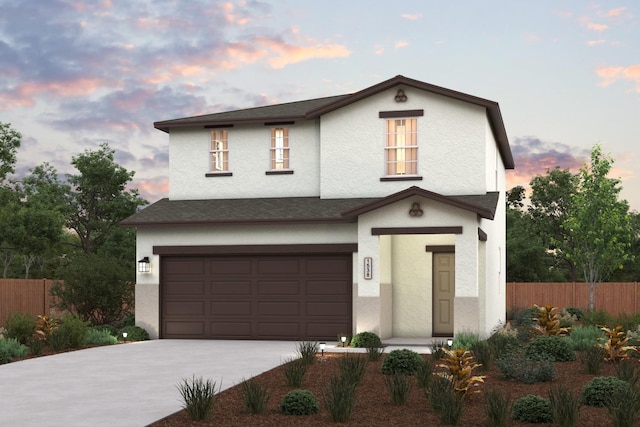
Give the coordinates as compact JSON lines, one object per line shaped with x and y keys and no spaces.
{"x":451,"y":139}
{"x":249,"y":159}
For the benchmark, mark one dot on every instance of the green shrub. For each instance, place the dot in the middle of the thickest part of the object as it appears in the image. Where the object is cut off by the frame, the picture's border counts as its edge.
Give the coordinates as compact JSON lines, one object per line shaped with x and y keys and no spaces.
{"x":629,"y":322}
{"x":255,"y":396}
{"x":519,"y":368}
{"x":20,"y":326}
{"x":198,"y":397}
{"x":374,"y":353}
{"x":576,"y":312}
{"x":592,"y":359}
{"x":532,"y":409}
{"x":424,"y":373}
{"x":109,"y":328}
{"x":366,"y":340}
{"x":444,"y":400}
{"x":496,"y":408}
{"x":299,"y":402}
{"x":597,"y":391}
{"x":483,"y":354}
{"x":339,"y":397}
{"x":5,"y":357}
{"x":583,"y":337}
{"x":13,"y":347}
{"x":523,"y":316}
{"x":74,"y":329}
{"x":134,"y":333}
{"x":598,"y":318}
{"x":36,"y":345}
{"x":94,"y":336}
{"x":398,"y":386}
{"x":565,"y":406}
{"x":464,"y":340}
{"x":352,"y":367}
{"x":552,"y":347}
{"x":293,"y":371}
{"x":307,"y":351}
{"x":59,"y":340}
{"x":504,"y":344}
{"x":402,"y":361}
{"x":626,"y":371}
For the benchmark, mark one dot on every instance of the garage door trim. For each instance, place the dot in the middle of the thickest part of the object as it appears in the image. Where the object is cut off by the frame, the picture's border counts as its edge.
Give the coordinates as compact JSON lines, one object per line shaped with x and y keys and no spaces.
{"x":256,"y":249}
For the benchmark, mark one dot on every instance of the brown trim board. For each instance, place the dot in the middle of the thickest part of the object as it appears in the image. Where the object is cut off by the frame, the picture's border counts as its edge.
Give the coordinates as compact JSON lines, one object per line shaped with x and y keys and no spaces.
{"x":440,"y":248}
{"x":482,"y":236}
{"x":255,"y":249}
{"x":415,"y":230}
{"x":400,"y":113}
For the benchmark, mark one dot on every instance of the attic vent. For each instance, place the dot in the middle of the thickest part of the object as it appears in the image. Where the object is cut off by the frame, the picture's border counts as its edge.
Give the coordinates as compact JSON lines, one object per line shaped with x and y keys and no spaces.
{"x":400,"y":96}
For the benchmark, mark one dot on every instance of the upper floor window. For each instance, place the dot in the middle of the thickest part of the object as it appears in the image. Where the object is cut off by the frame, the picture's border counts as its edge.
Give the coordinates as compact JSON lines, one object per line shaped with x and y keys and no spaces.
{"x":279,"y":148}
{"x":401,"y":147}
{"x":219,"y":151}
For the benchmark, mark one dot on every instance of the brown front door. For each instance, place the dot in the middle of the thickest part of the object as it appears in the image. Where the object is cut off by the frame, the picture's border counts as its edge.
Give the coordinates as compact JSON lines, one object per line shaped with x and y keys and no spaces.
{"x":285,"y":297}
{"x":444,"y":285}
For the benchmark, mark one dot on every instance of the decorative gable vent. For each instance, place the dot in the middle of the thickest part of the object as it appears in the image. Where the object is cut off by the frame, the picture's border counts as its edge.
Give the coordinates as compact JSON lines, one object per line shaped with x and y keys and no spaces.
{"x":400,"y":96}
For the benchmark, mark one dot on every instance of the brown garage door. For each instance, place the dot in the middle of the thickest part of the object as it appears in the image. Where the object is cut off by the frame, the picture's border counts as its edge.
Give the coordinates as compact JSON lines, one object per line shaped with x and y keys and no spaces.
{"x":288,"y":297}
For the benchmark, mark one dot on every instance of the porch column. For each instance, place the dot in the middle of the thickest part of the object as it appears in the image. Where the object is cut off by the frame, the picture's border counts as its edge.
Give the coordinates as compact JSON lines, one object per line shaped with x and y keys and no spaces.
{"x":467,"y":302}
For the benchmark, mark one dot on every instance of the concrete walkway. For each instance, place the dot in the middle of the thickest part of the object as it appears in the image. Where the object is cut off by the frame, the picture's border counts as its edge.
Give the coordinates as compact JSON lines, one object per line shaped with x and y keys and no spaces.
{"x":124,"y":385}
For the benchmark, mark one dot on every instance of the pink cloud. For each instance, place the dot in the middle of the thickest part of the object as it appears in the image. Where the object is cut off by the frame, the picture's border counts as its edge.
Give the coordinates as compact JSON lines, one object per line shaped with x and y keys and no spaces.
{"x":596,"y":42}
{"x":616,"y":12}
{"x":411,"y":17}
{"x":25,"y":94}
{"x":611,"y":75}
{"x":290,"y":54}
{"x":400,"y":44}
{"x":151,"y":189}
{"x":597,"y":27}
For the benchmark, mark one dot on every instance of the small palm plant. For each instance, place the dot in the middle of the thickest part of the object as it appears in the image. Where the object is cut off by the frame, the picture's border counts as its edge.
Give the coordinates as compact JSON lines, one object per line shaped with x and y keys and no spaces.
{"x":547,"y":320}
{"x":615,"y":345}
{"x":460,"y":364}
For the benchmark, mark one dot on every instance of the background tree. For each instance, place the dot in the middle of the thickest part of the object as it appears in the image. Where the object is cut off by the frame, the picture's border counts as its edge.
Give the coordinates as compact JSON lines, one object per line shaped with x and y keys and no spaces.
{"x":598,"y":222}
{"x":98,"y":199}
{"x":10,"y":140}
{"x":551,"y":204}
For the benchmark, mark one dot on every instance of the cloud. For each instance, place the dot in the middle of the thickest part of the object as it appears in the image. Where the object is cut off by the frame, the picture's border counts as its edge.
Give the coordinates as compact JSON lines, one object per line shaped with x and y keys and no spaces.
{"x":284,"y":53}
{"x":596,"y":42}
{"x":400,"y":44}
{"x":611,"y":75}
{"x":534,"y":156}
{"x":616,"y":12}
{"x":597,"y":27}
{"x":411,"y":16}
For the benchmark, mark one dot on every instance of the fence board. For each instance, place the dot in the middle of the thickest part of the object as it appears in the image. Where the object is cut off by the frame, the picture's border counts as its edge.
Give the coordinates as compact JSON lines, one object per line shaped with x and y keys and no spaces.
{"x":24,"y":295}
{"x":615,"y":298}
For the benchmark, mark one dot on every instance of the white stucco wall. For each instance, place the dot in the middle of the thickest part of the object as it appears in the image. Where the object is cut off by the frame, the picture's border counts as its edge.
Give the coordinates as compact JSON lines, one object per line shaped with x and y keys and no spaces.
{"x":451,"y":141}
{"x":249,"y":159}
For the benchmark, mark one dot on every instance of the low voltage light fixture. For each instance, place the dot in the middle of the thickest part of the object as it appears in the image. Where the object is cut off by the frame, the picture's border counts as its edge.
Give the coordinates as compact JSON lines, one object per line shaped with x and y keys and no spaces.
{"x":449,"y":343}
{"x":343,"y":338}
{"x":322,"y":347}
{"x":144,"y":265}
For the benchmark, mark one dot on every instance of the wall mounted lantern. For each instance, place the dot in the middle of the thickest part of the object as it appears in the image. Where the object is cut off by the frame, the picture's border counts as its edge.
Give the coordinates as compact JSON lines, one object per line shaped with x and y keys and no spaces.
{"x":144,"y":265}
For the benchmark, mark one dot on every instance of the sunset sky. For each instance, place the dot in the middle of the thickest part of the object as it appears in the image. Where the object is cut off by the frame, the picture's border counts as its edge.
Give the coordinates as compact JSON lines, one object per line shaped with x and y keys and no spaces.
{"x":74,"y":74}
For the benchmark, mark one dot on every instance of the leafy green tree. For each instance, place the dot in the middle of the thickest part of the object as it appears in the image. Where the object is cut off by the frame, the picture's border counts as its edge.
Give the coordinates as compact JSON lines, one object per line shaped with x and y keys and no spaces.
{"x":96,"y":288}
{"x":99,"y":198}
{"x":599,"y":223}
{"x":551,"y":204}
{"x":10,"y":140}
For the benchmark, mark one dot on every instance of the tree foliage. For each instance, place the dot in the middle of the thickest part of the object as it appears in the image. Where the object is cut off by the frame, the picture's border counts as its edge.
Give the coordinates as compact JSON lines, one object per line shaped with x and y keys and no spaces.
{"x":10,"y":140}
{"x":96,"y":288}
{"x":599,"y":223}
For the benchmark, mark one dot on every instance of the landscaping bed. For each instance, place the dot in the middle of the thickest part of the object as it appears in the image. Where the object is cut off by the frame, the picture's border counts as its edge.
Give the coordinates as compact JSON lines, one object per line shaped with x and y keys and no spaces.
{"x":373,"y":404}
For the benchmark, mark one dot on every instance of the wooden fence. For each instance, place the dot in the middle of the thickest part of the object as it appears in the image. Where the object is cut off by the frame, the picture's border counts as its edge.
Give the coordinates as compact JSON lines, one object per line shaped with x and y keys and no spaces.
{"x":615,"y":298}
{"x":25,"y":295}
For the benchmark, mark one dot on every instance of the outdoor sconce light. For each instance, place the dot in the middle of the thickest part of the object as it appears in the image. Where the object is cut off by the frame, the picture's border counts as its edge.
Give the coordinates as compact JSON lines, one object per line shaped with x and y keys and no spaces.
{"x":343,"y":338}
{"x":144,"y":265}
{"x":449,"y":343}
{"x":322,"y":347}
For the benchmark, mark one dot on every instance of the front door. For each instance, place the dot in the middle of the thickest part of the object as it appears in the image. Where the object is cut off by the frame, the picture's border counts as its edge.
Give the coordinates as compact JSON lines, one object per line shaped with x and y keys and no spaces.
{"x":444,"y":286}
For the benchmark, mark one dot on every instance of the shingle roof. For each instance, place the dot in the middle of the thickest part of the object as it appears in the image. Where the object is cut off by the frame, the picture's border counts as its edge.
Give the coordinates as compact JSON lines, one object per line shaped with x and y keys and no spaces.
{"x":288,"y":209}
{"x":314,"y":108}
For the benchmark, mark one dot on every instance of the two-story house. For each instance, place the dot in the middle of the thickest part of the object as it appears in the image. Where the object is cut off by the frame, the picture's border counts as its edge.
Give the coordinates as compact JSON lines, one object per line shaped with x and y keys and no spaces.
{"x":381,"y":210}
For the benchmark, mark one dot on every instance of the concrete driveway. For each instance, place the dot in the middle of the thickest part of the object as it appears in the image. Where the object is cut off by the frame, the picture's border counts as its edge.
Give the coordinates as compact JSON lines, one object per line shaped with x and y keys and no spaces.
{"x":130,"y":384}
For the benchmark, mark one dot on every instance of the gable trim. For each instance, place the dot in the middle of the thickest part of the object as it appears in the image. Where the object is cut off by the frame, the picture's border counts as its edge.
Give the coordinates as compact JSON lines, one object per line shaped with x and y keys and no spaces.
{"x":415,"y":230}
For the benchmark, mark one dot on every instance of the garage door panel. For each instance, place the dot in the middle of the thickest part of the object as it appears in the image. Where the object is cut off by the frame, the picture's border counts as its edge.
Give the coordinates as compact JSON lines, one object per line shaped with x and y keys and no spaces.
{"x":188,"y":308}
{"x":237,"y":308}
{"x":325,"y":287}
{"x":278,"y":266}
{"x":194,"y":267}
{"x":278,"y":308}
{"x":327,"y":308}
{"x":184,"y":288}
{"x":231,"y":267}
{"x":290,"y":297}
{"x":266,"y":288}
{"x":230,"y":288}
{"x":230,"y":329}
{"x":328,"y":266}
{"x":185,"y":329}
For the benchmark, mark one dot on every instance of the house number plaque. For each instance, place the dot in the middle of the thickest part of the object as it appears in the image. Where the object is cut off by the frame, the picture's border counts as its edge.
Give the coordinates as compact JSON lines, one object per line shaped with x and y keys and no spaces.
{"x":368,"y":268}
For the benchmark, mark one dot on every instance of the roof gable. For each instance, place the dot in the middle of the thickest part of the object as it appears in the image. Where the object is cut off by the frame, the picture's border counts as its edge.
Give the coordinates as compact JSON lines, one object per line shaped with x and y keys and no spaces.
{"x":314,"y":108}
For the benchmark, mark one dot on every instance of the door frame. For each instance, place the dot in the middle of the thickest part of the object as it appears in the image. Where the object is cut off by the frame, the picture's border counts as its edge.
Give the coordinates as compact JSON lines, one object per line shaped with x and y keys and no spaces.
{"x":439,"y":250}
